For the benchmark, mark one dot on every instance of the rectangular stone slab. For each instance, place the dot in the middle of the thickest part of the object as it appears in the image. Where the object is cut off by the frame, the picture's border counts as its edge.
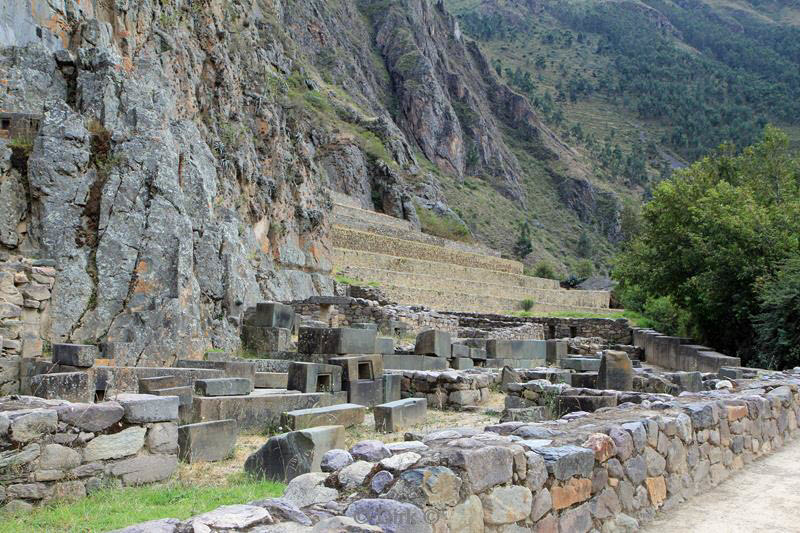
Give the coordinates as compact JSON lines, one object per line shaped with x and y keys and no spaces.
{"x":314,"y":377}
{"x":71,"y":386}
{"x":230,"y":369}
{"x":207,"y":441}
{"x":581,"y":364}
{"x":392,"y":385}
{"x":223,"y":387}
{"x":433,"y":342}
{"x":272,"y":315}
{"x":459,"y":350}
{"x":477,"y":353}
{"x":367,"y":392}
{"x":400,"y":414}
{"x":116,"y":380}
{"x":149,"y":385}
{"x":461,"y":363}
{"x":184,"y":394}
{"x":260,"y":340}
{"x":384,"y":345}
{"x":336,"y":341}
{"x":141,"y":408}
{"x":80,"y":355}
{"x":345,"y":414}
{"x":271,"y":380}
{"x":358,"y":367}
{"x":616,"y":371}
{"x":499,"y":349}
{"x":414,"y":362}
{"x":555,"y":350}
{"x":514,"y":363}
{"x":262,"y":408}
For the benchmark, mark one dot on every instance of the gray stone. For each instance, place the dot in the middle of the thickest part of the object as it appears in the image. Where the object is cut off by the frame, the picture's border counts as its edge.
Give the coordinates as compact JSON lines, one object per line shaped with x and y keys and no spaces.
{"x":577,"y":520}
{"x":18,"y":459}
{"x":701,"y":415}
{"x":28,"y":491}
{"x":30,"y":424}
{"x":392,"y":387}
{"x":516,"y":349}
{"x":162,"y":438}
{"x":230,"y":517}
{"x":556,"y":350}
{"x":615,"y":372}
{"x":380,"y":481}
{"x":80,"y":355}
{"x":390,"y":515}
{"x":621,"y":523}
{"x":309,"y":489}
{"x":145,"y":468}
{"x":636,"y":469}
{"x":223,"y":387}
{"x":623,"y":441}
{"x":359,"y":367}
{"x":127,"y":442}
{"x":581,"y":364}
{"x":272,"y":315}
{"x":288,"y":455}
{"x":483,"y":467}
{"x":563,"y":462}
{"x":345,"y":414}
{"x":370,"y":450}
{"x":334,"y":460}
{"x":261,"y":340}
{"x":524,"y":414}
{"x":400,"y":461}
{"x":344,"y":524}
{"x":638,"y":434}
{"x":314,"y":377}
{"x":506,"y":505}
{"x":461,"y":363}
{"x":68,"y":386}
{"x":164,"y":525}
{"x":271,"y":380}
{"x":656,"y":464}
{"x":384,"y":345}
{"x":354,"y":475}
{"x":143,"y":408}
{"x":92,"y":417}
{"x":336,"y":341}
{"x":281,"y":508}
{"x":414,"y":362}
{"x":542,"y":503}
{"x":406,"y":446}
{"x":57,"y":457}
{"x":433,"y":342}
{"x":394,"y":416}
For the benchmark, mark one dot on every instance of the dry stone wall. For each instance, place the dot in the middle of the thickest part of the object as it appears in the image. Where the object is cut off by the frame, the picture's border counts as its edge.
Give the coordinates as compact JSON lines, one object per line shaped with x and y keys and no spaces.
{"x":57,"y":450}
{"x":612,"y":330}
{"x":449,"y":390}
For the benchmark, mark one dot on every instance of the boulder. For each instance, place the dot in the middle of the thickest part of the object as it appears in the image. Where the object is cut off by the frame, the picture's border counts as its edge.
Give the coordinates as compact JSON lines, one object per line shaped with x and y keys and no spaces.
{"x":289,"y":455}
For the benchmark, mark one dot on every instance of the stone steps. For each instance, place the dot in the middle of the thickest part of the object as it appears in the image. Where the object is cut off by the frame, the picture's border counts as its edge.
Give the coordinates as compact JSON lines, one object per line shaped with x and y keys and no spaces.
{"x":356,"y":259}
{"x":589,"y":299}
{"x":351,"y":239}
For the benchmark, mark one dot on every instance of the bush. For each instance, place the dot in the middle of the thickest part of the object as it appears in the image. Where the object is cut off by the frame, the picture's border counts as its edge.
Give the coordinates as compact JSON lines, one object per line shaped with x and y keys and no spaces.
{"x":543,"y":269}
{"x":527,"y":304}
{"x":445,"y":226}
{"x":584,"y":269}
{"x":777,"y":325}
{"x":666,"y":317}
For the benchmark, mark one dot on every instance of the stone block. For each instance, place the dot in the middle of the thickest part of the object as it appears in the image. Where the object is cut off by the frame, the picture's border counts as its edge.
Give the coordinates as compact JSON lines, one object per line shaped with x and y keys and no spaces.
{"x":478,"y":354}
{"x":414,"y":362}
{"x":509,"y":349}
{"x":367,"y":392}
{"x":142,"y":408}
{"x":392,"y":387}
{"x":461,"y":363}
{"x":261,"y":408}
{"x":581,"y":364}
{"x":574,"y":491}
{"x":463,"y":398}
{"x":184,"y":394}
{"x":563,"y":462}
{"x":345,"y":414}
{"x":384,"y":345}
{"x":260,"y":340}
{"x":70,"y":386}
{"x":339,"y":341}
{"x":271,"y":380}
{"x":364,"y":325}
{"x":687,"y":381}
{"x":207,"y":441}
{"x":314,"y":377}
{"x":230,"y":369}
{"x":459,"y":350}
{"x":223,"y":387}
{"x":586,"y":380}
{"x":91,"y":417}
{"x":271,"y":315}
{"x":556,"y":350}
{"x":570,"y":404}
{"x":289,"y":455}
{"x":400,"y":414}
{"x":127,"y":442}
{"x":616,"y":371}
{"x":26,"y":425}
{"x":144,"y":468}
{"x":149,"y":385}
{"x":433,"y":342}
{"x":80,"y":355}
{"x":359,"y":367}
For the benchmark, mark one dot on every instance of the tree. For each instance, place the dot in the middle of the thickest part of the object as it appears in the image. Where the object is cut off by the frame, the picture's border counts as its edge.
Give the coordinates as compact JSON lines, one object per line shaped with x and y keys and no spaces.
{"x":777,"y":323}
{"x":584,"y":247}
{"x":543,"y":269}
{"x":523,"y":245}
{"x":584,"y":269}
{"x":712,"y":231}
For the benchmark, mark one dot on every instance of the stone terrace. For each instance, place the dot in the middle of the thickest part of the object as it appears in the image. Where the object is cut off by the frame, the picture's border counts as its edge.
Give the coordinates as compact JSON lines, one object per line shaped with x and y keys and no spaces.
{"x":418,"y":269}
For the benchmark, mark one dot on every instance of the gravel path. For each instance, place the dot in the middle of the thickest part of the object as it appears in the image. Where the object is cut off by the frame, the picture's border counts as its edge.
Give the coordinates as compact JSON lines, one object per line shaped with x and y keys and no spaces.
{"x":764,"y":496}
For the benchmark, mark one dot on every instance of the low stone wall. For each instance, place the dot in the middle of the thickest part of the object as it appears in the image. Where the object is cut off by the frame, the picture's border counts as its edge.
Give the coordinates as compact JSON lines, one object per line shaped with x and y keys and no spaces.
{"x":25,"y":286}
{"x":449,"y":389}
{"x":54,"y":450}
{"x":631,"y":462}
{"x":611,"y":330}
{"x":680,"y":353}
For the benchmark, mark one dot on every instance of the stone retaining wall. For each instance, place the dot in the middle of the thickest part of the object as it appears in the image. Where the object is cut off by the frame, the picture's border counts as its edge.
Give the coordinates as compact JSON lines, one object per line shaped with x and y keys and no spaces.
{"x":449,"y":389}
{"x":616,"y":331}
{"x":629,"y":463}
{"x":54,"y":450}
{"x":25,"y":286}
{"x":680,"y":353}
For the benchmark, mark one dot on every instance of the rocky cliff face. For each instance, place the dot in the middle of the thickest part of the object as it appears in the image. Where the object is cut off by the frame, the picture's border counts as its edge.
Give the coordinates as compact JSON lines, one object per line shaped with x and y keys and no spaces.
{"x":175,"y":156}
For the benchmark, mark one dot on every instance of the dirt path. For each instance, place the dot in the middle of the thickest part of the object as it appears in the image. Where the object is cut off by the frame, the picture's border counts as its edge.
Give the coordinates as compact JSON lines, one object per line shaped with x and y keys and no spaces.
{"x":765,"y":496}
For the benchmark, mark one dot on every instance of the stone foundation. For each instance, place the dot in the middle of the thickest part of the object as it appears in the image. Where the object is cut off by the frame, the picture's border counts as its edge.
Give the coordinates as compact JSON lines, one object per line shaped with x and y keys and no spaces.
{"x":449,"y":390}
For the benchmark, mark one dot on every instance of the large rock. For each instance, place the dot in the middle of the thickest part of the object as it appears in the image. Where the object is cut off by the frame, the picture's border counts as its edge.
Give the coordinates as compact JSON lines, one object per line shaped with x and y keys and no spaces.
{"x":336,"y":341}
{"x":616,"y":371}
{"x":145,"y":468}
{"x":483,"y":467}
{"x":223,"y":387}
{"x":309,"y":489}
{"x":370,"y":450}
{"x":345,"y":414}
{"x":31,"y":424}
{"x":393,"y":416}
{"x":80,"y":355}
{"x":433,"y":485}
{"x":91,"y":417}
{"x":143,"y":408}
{"x":334,"y":460}
{"x":289,"y":455}
{"x":392,"y":516}
{"x":207,"y":441}
{"x":314,"y":377}
{"x":69,"y":386}
{"x":433,"y":342}
{"x":127,"y":442}
{"x":506,"y":505}
{"x":563,"y":462}
{"x":230,"y":517}
{"x":272,"y":315}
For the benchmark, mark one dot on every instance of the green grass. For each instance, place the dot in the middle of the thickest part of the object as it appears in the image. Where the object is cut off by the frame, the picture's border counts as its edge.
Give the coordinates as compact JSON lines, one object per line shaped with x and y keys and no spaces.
{"x":636,"y":319}
{"x":117,"y":508}
{"x":345,"y":280}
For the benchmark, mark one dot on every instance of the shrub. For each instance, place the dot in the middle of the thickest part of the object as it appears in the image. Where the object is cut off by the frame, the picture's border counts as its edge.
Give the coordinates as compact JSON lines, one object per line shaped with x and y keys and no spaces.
{"x":543,"y":269}
{"x":527,"y":304}
{"x":777,"y":325}
{"x":584,"y":269}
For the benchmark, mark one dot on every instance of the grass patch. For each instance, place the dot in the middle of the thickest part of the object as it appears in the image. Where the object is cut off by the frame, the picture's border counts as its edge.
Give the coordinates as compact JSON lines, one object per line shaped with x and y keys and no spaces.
{"x":443,"y":226}
{"x":345,"y":280}
{"x":117,"y":508}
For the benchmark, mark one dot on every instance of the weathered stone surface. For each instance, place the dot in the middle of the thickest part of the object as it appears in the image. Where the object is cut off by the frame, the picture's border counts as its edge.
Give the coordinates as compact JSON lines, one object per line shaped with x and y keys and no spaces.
{"x":336,"y":341}
{"x":506,"y":505}
{"x":57,"y":457}
{"x":370,"y":450}
{"x":345,"y":414}
{"x":483,"y":467}
{"x":616,"y":371}
{"x":29,"y":424}
{"x":577,"y":520}
{"x":207,"y":441}
{"x":233,"y":517}
{"x":380,"y":481}
{"x":143,"y":408}
{"x":573,"y":491}
{"x":344,"y":524}
{"x":656,"y":464}
{"x":433,"y":342}
{"x":17,"y":459}
{"x":80,"y":355}
{"x":567,"y":461}
{"x":334,"y":460}
{"x":164,"y":525}
{"x":145,"y":468}
{"x":623,"y":442}
{"x":602,"y":445}
{"x":92,"y":417}
{"x":162,"y":438}
{"x":621,"y":523}
{"x":467,"y":516}
{"x":272,"y":315}
{"x":542,"y":503}
{"x":605,"y":504}
{"x":68,"y":386}
{"x":223,"y":387}
{"x":638,"y":434}
{"x":656,"y":489}
{"x":635,"y":469}
{"x":394,"y":416}
{"x":353,"y":475}
{"x":286,"y":456}
{"x":390,"y":515}
{"x":400,"y":461}
{"x":314,"y":377}
{"x":127,"y":442}
{"x":309,"y":489}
